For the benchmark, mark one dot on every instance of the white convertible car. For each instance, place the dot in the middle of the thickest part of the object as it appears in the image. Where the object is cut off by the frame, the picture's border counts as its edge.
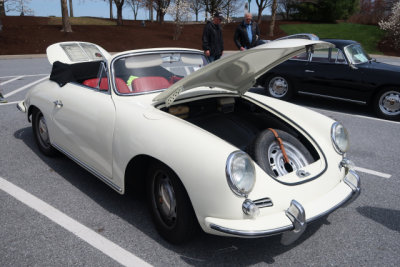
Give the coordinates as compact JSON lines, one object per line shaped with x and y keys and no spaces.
{"x":208,"y":152}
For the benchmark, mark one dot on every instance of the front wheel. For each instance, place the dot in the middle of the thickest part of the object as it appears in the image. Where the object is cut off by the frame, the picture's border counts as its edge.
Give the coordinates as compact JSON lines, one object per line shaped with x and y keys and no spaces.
{"x":279,"y":87}
{"x":270,"y":157}
{"x":170,"y":206}
{"x":387,"y":103}
{"x":41,"y":134}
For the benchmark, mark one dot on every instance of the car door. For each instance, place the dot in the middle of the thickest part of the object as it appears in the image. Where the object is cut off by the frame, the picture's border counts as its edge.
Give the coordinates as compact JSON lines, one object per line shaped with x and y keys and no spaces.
{"x":83,"y":120}
{"x":328,"y":73}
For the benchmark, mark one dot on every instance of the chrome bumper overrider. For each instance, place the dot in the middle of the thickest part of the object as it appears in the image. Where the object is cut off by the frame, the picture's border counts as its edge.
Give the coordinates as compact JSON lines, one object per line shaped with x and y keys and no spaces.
{"x":296,"y":214}
{"x":21,"y":106}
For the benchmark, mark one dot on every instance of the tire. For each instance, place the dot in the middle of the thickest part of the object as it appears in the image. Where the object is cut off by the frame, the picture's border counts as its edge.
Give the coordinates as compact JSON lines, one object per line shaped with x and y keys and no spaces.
{"x":169,"y":205}
{"x":41,"y":134}
{"x":279,"y":87}
{"x":387,"y":103}
{"x":268,"y":155}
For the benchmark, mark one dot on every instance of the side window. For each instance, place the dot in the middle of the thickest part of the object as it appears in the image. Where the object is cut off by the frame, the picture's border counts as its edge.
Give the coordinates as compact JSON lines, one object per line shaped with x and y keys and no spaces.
{"x":100,"y":81}
{"x":304,"y":57}
{"x":321,"y":56}
{"x":338,"y":56}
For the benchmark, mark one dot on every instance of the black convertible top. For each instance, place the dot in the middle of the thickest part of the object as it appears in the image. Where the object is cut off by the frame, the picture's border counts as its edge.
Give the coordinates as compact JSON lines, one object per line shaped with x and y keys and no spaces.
{"x":62,"y":73}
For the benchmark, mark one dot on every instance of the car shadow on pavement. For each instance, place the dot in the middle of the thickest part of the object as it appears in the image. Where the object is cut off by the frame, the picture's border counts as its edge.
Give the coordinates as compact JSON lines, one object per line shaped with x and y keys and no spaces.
{"x":202,"y":249}
{"x":386,"y":217}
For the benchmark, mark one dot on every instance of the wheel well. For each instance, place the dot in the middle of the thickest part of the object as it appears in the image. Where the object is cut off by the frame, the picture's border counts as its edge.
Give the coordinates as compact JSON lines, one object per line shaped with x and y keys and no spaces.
{"x":136,"y":173}
{"x":31,"y":110}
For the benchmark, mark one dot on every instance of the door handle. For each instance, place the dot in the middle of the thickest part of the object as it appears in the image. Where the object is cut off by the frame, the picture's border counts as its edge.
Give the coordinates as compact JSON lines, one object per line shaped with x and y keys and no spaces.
{"x":311,"y":71}
{"x":58,"y":103}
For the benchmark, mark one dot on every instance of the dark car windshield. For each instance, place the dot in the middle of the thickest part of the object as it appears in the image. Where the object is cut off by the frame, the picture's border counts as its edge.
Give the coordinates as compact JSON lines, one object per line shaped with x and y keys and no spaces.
{"x":356,"y":54}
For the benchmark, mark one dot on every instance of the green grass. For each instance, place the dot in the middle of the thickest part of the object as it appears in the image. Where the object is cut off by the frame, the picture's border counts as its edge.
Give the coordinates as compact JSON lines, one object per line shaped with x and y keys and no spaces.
{"x":82,"y":21}
{"x":368,"y":35}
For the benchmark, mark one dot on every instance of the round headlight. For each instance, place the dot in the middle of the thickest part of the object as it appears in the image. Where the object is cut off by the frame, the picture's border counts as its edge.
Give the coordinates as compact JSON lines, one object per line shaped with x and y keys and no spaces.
{"x":340,"y":138}
{"x":240,"y":173}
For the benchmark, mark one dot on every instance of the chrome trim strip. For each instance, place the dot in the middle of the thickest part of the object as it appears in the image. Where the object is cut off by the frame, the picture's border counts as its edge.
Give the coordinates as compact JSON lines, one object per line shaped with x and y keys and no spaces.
{"x":333,"y":97}
{"x":89,"y":169}
{"x":251,"y":234}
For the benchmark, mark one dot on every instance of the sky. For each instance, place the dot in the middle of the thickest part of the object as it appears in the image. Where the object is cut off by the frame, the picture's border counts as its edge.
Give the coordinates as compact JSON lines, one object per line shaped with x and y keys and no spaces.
{"x":92,"y":8}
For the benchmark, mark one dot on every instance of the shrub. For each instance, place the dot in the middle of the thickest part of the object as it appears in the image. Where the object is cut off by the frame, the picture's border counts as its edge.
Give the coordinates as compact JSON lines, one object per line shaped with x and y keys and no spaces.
{"x":392,"y":25}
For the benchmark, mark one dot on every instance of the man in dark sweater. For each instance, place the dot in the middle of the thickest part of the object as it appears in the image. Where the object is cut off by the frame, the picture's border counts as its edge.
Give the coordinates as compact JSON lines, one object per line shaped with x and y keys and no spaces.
{"x":213,"y":44}
{"x":247,"y":33}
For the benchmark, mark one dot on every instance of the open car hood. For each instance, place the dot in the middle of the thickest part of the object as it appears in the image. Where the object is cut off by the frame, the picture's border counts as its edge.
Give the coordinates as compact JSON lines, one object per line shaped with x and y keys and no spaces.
{"x":239,"y":71}
{"x":76,"y":52}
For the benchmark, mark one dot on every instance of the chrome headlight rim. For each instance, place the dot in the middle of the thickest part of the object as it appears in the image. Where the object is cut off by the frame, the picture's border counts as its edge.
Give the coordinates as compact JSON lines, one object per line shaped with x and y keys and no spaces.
{"x":229,"y":173}
{"x":338,"y":148}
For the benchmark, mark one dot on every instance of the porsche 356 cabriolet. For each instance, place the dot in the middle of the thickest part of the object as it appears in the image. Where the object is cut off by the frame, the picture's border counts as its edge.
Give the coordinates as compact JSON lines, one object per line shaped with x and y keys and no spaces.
{"x":207,"y":152}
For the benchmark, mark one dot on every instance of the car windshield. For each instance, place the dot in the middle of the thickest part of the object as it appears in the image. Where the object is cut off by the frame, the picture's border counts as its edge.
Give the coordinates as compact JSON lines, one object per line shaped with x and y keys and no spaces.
{"x":138,"y":74}
{"x":355,"y":53}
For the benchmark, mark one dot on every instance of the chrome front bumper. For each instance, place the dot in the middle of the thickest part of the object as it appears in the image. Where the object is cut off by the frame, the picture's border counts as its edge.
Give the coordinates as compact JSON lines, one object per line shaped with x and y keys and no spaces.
{"x":296,"y":214}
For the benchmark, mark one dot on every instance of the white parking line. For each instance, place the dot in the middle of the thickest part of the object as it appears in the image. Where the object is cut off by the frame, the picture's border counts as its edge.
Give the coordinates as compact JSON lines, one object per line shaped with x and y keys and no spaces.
{"x":380,"y":174}
{"x":9,"y":103}
{"x":27,"y":75}
{"x":107,"y":247}
{"x":26,"y":86}
{"x":11,"y":80}
{"x":354,"y":115}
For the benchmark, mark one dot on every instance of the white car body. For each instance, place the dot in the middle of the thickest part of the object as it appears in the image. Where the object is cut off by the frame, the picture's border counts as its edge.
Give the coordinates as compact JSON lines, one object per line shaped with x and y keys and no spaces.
{"x":112,"y":133}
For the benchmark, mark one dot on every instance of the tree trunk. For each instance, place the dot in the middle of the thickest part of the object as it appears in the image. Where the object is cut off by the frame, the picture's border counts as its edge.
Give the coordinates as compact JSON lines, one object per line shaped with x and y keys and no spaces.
{"x":273,"y":15}
{"x":71,"y":10}
{"x":119,"y":4}
{"x":65,"y":18}
{"x":111,"y":11}
{"x":2,"y":9}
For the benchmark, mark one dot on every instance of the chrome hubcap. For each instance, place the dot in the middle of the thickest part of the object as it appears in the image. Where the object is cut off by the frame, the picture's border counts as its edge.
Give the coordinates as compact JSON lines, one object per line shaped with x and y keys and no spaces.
{"x":43,"y":132}
{"x":389,"y":103}
{"x":277,"y":162}
{"x":165,"y":198}
{"x":278,"y":87}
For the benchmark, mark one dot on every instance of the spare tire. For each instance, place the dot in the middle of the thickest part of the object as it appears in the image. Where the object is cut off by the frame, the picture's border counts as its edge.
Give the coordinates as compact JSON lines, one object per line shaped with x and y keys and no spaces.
{"x":267,"y":153}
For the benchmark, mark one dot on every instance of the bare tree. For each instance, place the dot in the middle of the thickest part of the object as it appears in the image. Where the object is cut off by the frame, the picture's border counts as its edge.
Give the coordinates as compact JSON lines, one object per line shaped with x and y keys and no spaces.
{"x":196,"y":6}
{"x":232,"y":8}
{"x":119,"y":4}
{"x":71,"y":10}
{"x":135,"y":5}
{"x":273,"y":16}
{"x":262,"y":4}
{"x":20,"y":6}
{"x":161,"y":8}
{"x":65,"y":17}
{"x":2,"y":9}
{"x":213,"y":6}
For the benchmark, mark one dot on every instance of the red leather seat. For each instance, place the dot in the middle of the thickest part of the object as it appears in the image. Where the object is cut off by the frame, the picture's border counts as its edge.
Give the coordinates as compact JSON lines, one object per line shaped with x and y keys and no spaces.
{"x":121,"y":85}
{"x":149,"y":83}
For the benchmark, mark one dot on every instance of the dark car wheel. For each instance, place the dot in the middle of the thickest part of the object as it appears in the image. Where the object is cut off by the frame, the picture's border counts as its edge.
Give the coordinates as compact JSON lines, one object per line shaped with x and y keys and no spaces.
{"x":278,"y":87}
{"x":170,"y":206}
{"x":269,"y":156}
{"x":387,"y":103}
{"x":41,"y":133}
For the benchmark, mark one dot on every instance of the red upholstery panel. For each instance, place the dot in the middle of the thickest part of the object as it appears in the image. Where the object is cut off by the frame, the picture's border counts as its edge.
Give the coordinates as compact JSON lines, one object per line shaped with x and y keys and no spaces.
{"x":93,"y":83}
{"x":150,"y":83}
{"x":121,"y":86}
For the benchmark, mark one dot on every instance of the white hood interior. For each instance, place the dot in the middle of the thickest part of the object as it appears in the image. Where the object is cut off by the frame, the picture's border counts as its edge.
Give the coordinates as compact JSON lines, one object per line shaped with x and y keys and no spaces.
{"x":239,"y":71}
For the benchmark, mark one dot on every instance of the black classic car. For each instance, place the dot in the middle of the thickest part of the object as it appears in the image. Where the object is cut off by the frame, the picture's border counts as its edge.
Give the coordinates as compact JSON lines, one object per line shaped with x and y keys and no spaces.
{"x":345,"y":72}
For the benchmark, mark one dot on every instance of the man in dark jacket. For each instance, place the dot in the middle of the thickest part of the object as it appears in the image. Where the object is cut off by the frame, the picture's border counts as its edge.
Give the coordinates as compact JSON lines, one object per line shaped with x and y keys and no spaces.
{"x":213,"y":44}
{"x":247,"y":33}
